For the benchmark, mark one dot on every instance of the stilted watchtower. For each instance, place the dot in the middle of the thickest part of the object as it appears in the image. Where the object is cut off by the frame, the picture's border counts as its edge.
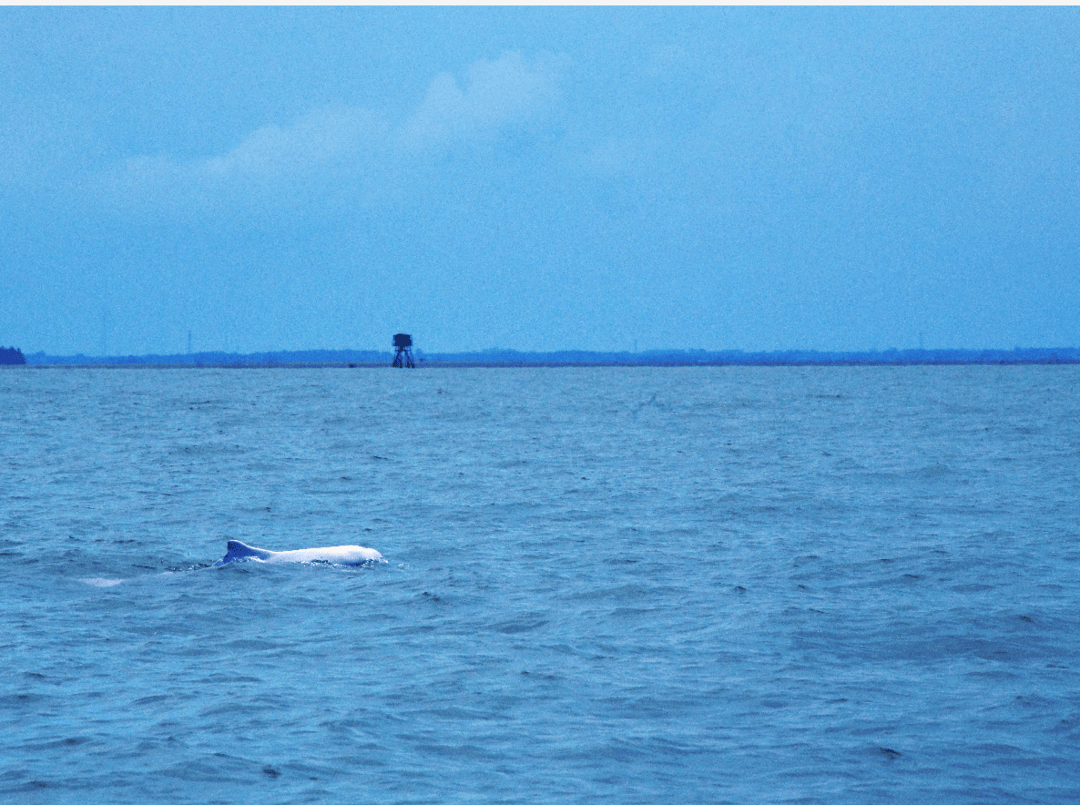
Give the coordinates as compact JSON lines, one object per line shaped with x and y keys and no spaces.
{"x":403,"y":356}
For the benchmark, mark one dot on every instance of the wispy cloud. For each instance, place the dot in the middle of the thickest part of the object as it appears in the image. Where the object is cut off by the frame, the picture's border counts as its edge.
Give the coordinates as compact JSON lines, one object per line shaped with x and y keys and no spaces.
{"x":326,"y":145}
{"x":266,"y":170}
{"x":319,"y":137}
{"x":494,"y":95}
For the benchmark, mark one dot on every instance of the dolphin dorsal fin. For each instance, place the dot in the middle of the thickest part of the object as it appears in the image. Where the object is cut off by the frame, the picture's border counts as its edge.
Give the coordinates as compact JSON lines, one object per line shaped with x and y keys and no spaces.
{"x":238,"y":550}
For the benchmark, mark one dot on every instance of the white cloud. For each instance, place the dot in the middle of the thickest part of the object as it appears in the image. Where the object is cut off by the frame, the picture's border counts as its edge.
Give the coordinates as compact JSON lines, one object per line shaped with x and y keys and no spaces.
{"x":267,"y":169}
{"x":319,"y":137}
{"x":495,"y":94}
{"x":337,"y":146}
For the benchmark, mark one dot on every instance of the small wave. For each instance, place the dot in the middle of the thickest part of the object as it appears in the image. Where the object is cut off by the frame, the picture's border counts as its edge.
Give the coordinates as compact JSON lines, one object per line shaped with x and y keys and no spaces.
{"x":102,"y":582}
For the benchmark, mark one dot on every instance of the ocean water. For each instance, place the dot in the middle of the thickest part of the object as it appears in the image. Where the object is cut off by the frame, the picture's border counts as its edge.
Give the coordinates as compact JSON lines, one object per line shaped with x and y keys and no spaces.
{"x":626,"y":585}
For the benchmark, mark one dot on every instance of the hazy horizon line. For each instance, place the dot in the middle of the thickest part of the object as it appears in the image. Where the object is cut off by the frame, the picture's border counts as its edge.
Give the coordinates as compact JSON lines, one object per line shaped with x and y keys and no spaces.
{"x":498,"y":356}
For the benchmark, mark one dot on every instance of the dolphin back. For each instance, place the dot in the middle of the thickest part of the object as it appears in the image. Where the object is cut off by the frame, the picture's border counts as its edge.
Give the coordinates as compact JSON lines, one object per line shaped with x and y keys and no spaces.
{"x":337,"y":555}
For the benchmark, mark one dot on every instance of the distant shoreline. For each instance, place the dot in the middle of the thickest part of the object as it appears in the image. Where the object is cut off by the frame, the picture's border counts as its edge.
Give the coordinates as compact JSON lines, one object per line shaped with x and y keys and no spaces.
{"x":493,"y":359}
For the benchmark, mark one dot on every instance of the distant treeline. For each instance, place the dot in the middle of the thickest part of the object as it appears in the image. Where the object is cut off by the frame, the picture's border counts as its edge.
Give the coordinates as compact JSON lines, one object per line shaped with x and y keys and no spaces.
{"x":700,"y":357}
{"x":314,"y":356}
{"x":692,"y":357}
{"x":10,"y":356}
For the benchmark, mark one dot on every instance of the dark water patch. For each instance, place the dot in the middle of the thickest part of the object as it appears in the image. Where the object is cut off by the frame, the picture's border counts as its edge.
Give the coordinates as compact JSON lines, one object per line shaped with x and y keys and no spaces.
{"x":523,"y":623}
{"x":621,"y":592}
{"x":19,"y":701}
{"x":195,"y":771}
{"x":59,"y":743}
{"x":251,"y":645}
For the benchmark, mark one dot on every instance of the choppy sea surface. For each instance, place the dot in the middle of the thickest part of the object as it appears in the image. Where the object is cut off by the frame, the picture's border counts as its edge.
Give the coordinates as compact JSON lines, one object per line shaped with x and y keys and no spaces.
{"x":626,"y":585}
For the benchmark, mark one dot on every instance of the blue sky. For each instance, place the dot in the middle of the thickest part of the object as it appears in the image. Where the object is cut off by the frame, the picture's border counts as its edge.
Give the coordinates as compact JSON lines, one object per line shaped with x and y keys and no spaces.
{"x":538,"y":178}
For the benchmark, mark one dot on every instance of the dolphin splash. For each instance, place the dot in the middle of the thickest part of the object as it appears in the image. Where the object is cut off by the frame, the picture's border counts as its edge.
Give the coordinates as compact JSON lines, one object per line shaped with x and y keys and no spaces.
{"x":337,"y":555}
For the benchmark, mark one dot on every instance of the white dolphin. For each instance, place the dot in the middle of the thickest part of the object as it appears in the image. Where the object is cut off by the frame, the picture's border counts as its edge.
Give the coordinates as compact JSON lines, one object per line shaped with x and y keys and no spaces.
{"x":337,"y":555}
